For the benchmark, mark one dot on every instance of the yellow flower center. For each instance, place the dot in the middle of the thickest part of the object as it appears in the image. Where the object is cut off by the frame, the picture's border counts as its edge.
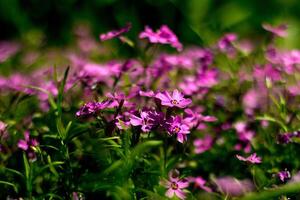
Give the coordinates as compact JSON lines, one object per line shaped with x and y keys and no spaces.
{"x":176,"y":129}
{"x":174,"y":186}
{"x":174,"y":102}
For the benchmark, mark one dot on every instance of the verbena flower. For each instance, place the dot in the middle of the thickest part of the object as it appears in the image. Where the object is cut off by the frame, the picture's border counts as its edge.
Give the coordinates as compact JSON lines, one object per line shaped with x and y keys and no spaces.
{"x":176,"y":126}
{"x":115,"y":33}
{"x":3,"y":130}
{"x":162,"y":36}
{"x":225,"y":44}
{"x":253,"y":158}
{"x":199,"y":182}
{"x":91,"y":108}
{"x":175,"y":100}
{"x":175,"y":185}
{"x":147,"y":120}
{"x":28,"y":145}
{"x":202,"y":145}
{"x":245,"y":137}
{"x":280,"y":30}
{"x":233,"y":187}
{"x":284,"y":175}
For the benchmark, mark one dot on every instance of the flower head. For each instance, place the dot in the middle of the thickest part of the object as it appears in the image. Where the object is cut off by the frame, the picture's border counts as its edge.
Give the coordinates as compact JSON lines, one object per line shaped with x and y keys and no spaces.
{"x":202,"y":145}
{"x":28,"y":145}
{"x":233,"y":187}
{"x":280,"y":30}
{"x":200,"y":183}
{"x":253,"y":158}
{"x":115,"y":33}
{"x":284,"y":175}
{"x":174,"y":100}
{"x":176,"y":126}
{"x":3,"y":130}
{"x":175,"y":185}
{"x":91,"y":108}
{"x":225,"y":44}
{"x":162,"y":36}
{"x":147,"y":120}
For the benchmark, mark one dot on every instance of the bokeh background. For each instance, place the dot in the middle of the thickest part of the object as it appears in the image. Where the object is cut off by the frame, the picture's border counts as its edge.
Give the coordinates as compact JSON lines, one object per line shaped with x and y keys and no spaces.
{"x":43,"y":32}
{"x":195,"y":21}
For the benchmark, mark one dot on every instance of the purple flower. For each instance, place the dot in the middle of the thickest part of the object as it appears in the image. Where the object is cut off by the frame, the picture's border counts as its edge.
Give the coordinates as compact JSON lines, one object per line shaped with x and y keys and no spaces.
{"x":280,"y":30}
{"x":267,"y":71}
{"x":8,"y":49}
{"x":253,"y":158}
{"x":175,"y":185}
{"x":115,"y":33}
{"x":225,"y":44}
{"x":28,"y":145}
{"x":148,"y":93}
{"x":284,"y":138}
{"x":163,"y":36}
{"x":244,"y":136}
{"x":3,"y":130}
{"x":176,"y":100}
{"x":234,"y":187}
{"x":207,"y":77}
{"x":200,"y":183}
{"x":91,"y":108}
{"x":284,"y":175}
{"x":202,"y":145}
{"x":147,"y":120}
{"x":176,"y":126}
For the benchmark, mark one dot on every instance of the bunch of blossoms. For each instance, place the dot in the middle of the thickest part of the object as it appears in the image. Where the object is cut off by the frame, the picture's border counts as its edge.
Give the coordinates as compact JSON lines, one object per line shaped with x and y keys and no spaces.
{"x":147,"y":119}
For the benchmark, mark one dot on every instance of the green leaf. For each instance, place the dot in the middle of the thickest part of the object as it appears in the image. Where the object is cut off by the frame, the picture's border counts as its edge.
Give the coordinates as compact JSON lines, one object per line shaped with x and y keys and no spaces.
{"x":61,"y":91}
{"x":272,"y":119}
{"x":292,"y":188}
{"x":10,"y":184}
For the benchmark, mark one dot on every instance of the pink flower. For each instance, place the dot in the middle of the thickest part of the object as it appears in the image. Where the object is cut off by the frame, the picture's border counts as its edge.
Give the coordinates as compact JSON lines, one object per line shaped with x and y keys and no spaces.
{"x":253,"y":158}
{"x":91,"y":108}
{"x":202,"y":145}
{"x":284,"y":175}
{"x":176,"y":100}
{"x":7,"y":50}
{"x":28,"y":145}
{"x":234,"y":187}
{"x":200,"y":183}
{"x":3,"y":130}
{"x":162,"y":36}
{"x":176,"y":126}
{"x":115,"y":33}
{"x":280,"y":30}
{"x":148,"y":93}
{"x":225,"y":44}
{"x":147,"y":120}
{"x":175,"y":185}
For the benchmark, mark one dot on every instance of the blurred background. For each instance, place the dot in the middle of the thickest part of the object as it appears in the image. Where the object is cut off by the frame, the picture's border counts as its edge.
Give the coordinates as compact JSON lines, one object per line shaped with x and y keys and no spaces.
{"x":195,"y":21}
{"x":43,"y":33}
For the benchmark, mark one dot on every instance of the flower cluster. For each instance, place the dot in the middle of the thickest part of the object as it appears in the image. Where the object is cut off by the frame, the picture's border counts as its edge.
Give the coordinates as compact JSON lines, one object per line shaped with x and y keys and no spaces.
{"x":116,"y":125}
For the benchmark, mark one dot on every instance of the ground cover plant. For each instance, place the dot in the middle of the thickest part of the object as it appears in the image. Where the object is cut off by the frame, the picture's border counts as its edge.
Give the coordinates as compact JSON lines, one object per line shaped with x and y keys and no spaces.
{"x":170,"y":122}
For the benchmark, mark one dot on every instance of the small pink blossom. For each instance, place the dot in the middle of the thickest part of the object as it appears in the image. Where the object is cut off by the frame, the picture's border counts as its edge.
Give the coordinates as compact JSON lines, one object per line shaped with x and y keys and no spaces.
{"x":280,"y":30}
{"x":202,"y":145}
{"x":233,"y":187}
{"x":284,"y":175}
{"x":176,"y":126}
{"x":225,"y":44}
{"x":162,"y":36}
{"x":28,"y":145}
{"x":176,"y":100}
{"x":115,"y":33}
{"x":199,"y":183}
{"x":175,"y":185}
{"x":253,"y":158}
